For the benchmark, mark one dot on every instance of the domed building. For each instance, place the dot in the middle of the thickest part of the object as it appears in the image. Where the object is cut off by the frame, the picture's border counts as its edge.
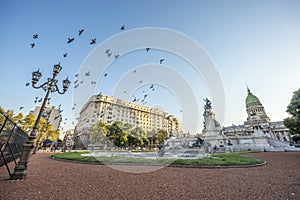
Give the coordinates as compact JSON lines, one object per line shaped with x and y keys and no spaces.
{"x":257,"y":117}
{"x":255,"y":110}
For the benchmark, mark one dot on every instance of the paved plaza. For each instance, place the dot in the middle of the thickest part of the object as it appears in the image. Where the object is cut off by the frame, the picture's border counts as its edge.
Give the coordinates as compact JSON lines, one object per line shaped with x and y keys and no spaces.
{"x":51,"y":179}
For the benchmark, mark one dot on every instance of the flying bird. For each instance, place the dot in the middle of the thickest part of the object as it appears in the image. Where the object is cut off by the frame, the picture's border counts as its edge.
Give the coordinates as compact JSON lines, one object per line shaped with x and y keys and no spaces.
{"x":107,"y":51}
{"x":116,"y":56}
{"x":105,"y":74}
{"x":35,"y":36}
{"x":70,"y":40}
{"x":151,"y":87}
{"x":87,"y":73}
{"x":93,"y":41}
{"x":56,"y":117}
{"x":134,"y":71}
{"x":147,"y":49}
{"x":21,"y":108}
{"x":65,"y":55}
{"x":109,"y":54}
{"x":161,"y":61}
{"x":76,"y":75}
{"x":134,"y":100}
{"x":32,"y":45}
{"x":122,"y":28}
{"x":80,"y":31}
{"x":27,"y":84}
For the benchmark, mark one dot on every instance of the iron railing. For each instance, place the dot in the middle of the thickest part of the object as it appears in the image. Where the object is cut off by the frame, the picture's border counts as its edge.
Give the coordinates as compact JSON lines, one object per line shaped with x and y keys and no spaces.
{"x":12,"y":138}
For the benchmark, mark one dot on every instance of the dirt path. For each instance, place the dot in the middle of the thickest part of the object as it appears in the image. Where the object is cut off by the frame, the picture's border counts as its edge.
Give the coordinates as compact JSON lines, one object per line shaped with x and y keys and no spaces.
{"x":50,"y":179}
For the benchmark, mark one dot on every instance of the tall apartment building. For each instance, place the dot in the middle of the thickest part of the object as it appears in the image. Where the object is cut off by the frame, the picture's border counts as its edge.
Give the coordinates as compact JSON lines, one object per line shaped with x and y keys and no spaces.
{"x":50,"y":113}
{"x":109,"y":109}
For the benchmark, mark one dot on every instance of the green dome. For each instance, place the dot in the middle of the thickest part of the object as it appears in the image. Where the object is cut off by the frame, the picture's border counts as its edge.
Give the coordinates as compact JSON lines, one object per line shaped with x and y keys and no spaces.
{"x":251,"y":99}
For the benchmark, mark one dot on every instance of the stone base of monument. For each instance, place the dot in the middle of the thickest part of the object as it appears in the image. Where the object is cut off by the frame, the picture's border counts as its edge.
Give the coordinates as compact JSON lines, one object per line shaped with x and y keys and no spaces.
{"x":182,"y":148}
{"x":217,"y":141}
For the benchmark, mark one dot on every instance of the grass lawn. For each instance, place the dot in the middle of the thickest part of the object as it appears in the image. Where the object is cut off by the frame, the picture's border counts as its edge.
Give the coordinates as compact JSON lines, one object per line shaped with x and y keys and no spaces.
{"x":227,"y":159}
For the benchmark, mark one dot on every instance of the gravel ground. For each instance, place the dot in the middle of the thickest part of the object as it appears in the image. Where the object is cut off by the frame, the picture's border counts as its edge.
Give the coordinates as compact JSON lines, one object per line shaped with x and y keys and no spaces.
{"x":51,"y":179}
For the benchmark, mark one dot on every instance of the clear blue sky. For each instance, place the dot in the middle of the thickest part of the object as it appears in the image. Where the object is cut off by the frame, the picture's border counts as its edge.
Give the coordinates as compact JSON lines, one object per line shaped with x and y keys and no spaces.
{"x":251,"y":42}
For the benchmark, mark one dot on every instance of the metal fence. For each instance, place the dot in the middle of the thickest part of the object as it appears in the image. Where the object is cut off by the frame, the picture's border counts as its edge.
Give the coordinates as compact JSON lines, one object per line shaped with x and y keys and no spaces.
{"x":12,"y":139}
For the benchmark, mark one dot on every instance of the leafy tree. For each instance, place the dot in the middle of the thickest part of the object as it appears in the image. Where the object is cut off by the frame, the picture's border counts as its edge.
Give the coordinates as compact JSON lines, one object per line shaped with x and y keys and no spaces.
{"x":118,"y":134}
{"x":296,"y":138}
{"x":293,"y":122}
{"x":98,"y":133}
{"x":162,"y":136}
{"x":28,"y":122}
{"x":45,"y":132}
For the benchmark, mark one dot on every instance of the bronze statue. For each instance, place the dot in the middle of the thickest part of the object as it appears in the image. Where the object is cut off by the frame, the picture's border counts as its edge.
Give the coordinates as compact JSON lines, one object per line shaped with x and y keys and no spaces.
{"x":207,"y":104}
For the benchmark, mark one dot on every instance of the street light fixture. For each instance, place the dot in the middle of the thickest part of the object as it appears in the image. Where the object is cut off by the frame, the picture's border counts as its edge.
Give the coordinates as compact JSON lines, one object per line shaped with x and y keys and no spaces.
{"x":20,"y":171}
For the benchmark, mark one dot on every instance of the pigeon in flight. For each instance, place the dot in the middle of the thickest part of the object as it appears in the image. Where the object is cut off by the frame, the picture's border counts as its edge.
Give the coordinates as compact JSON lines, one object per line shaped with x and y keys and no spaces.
{"x":122,"y":28}
{"x":134,"y":100}
{"x":109,"y":54}
{"x":65,"y":55}
{"x":93,"y":41}
{"x":161,"y":61}
{"x":116,"y":56}
{"x":134,"y":71}
{"x":56,"y":117}
{"x":107,"y":51}
{"x":70,"y":40}
{"x":88,"y":73}
{"x":32,"y":45}
{"x":80,"y":32}
{"x":76,"y":75}
{"x":27,"y":84}
{"x":147,"y":49}
{"x":151,"y":87}
{"x":105,"y":74}
{"x":21,"y":108}
{"x":35,"y":36}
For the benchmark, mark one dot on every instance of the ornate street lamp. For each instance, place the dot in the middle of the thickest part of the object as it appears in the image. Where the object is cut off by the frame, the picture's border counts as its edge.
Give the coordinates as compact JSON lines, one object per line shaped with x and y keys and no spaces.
{"x":20,"y":170}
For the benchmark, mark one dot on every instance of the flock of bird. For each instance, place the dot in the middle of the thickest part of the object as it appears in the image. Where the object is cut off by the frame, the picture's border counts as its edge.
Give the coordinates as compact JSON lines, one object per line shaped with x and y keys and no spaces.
{"x":109,"y":53}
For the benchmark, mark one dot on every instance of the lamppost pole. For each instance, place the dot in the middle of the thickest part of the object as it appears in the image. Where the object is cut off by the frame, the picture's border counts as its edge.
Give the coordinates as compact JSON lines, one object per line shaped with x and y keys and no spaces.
{"x":20,"y":171}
